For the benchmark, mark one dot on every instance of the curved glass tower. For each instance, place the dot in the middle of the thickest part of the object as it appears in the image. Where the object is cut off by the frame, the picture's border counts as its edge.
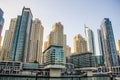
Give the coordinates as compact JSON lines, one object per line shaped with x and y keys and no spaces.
{"x":21,"y":37}
{"x":108,"y":44}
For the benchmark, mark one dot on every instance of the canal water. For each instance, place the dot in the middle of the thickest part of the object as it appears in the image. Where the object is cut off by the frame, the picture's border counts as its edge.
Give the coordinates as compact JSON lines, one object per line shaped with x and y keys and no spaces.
{"x":41,"y":78}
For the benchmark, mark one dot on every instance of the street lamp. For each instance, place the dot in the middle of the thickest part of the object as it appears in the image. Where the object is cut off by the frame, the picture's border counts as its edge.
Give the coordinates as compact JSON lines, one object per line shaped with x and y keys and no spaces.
{"x":36,"y":76}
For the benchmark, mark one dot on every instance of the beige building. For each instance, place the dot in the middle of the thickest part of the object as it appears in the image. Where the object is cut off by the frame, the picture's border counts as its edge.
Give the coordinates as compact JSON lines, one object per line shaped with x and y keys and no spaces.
{"x":57,"y":34}
{"x":79,"y":44}
{"x":36,"y":42}
{"x":7,"y":43}
{"x":56,"y":37}
{"x":46,"y":44}
{"x":68,"y":50}
{"x":118,"y":47}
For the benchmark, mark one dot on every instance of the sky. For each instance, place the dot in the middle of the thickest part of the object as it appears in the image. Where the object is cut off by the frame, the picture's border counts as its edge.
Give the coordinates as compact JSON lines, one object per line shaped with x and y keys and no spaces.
{"x":73,"y":14}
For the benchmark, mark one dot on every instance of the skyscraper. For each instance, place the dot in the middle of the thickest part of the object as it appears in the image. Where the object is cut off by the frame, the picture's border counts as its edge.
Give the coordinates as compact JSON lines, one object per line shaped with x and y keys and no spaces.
{"x":46,"y":44}
{"x":57,"y":34}
{"x":90,"y":40}
{"x":101,"y":47}
{"x":36,"y":41}
{"x":56,"y":37}
{"x":79,"y":44}
{"x":19,"y":50}
{"x":8,"y":40}
{"x":1,"y":24}
{"x":68,"y":50}
{"x":110,"y":53}
{"x":118,"y":48}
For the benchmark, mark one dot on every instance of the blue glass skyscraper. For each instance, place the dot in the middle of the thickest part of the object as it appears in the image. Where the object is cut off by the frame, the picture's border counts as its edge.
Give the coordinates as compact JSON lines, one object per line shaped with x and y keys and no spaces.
{"x":1,"y":20}
{"x":108,"y":44}
{"x":1,"y":24}
{"x":19,"y":50}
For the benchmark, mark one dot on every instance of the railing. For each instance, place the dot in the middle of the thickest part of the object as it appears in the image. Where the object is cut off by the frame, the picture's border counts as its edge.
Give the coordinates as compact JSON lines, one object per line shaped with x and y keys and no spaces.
{"x":57,"y":78}
{"x":37,"y":77}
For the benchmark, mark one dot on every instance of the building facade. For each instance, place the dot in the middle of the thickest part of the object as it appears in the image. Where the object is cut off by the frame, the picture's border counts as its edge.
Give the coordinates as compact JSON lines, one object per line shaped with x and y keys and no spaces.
{"x":101,"y":47}
{"x":118,"y":48}
{"x":20,"y":44}
{"x":8,"y":40}
{"x":36,"y":41}
{"x":82,"y":60}
{"x":79,"y":44}
{"x":10,"y":67}
{"x":57,"y":34}
{"x":1,"y":23}
{"x":110,"y":53}
{"x":90,"y":40}
{"x":56,"y":37}
{"x":99,"y":60}
{"x":68,"y":50}
{"x":53,"y":56}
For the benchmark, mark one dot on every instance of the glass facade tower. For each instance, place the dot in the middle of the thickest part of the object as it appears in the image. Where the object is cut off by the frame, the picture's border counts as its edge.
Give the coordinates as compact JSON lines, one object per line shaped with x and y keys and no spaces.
{"x":1,"y":24}
{"x":90,"y":40}
{"x":101,"y":47}
{"x":21,"y":37}
{"x":1,"y":20}
{"x":110,"y":52}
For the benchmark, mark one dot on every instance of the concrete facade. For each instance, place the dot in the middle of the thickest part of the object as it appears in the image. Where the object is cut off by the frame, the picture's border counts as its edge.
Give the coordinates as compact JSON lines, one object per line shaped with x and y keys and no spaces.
{"x":8,"y":40}
{"x":79,"y":44}
{"x":68,"y":51}
{"x":55,"y":72}
{"x":36,"y":42}
{"x":118,"y":48}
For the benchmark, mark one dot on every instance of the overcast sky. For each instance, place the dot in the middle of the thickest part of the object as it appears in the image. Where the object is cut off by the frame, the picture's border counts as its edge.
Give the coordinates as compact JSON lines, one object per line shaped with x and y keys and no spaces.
{"x":73,"y":14}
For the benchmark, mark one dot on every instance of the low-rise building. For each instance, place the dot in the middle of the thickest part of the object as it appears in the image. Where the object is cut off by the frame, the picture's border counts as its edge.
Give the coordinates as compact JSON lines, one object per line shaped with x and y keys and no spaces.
{"x":10,"y":67}
{"x":82,"y":60}
{"x":54,"y":56}
{"x":53,"y":59}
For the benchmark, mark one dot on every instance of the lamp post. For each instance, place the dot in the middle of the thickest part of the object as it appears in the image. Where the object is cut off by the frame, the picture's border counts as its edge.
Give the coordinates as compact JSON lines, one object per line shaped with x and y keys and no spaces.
{"x":36,"y":76}
{"x":111,"y":77}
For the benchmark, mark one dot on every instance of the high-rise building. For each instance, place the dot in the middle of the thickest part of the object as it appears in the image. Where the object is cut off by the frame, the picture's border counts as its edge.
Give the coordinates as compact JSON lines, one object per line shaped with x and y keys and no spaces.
{"x":90,"y":40}
{"x":46,"y":44}
{"x":110,"y":53}
{"x":1,"y":24}
{"x":8,"y":40}
{"x":20,"y":44}
{"x":56,"y":37}
{"x":36,"y":41}
{"x":101,"y":47}
{"x":79,"y":44}
{"x":68,"y":50}
{"x":57,"y":34}
{"x":118,"y":48}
